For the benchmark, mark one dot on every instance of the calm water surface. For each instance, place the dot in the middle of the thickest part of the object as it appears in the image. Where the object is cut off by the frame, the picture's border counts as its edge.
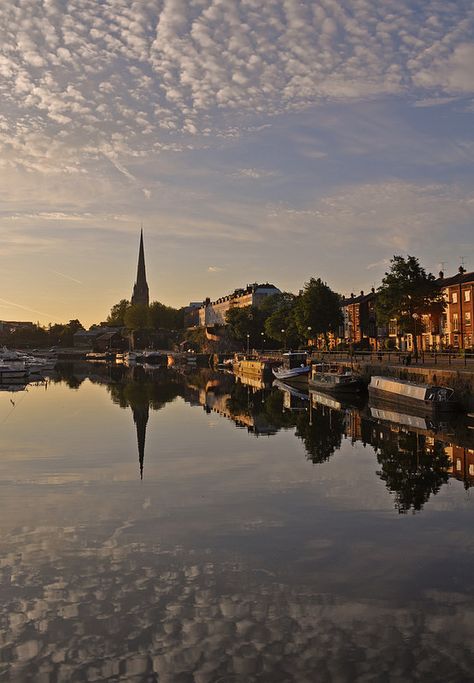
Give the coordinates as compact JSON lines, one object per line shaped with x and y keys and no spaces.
{"x":196,"y":529}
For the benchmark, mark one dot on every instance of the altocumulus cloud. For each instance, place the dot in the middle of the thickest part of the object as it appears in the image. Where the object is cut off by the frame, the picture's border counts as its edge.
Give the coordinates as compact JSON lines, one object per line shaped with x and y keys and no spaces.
{"x":82,"y":80}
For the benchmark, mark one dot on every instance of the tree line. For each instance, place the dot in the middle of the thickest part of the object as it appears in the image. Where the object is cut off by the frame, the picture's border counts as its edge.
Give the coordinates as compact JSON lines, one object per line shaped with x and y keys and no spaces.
{"x":407,"y":293}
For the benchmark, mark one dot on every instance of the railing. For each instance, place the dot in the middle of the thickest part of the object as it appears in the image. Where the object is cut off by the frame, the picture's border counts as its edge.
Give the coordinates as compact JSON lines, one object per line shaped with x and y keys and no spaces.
{"x":455,"y":357}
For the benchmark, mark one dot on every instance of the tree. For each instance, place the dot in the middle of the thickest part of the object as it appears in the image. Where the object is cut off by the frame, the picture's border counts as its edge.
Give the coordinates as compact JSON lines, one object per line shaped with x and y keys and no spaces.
{"x":116,"y":317}
{"x":407,"y":293}
{"x":319,"y":308}
{"x":136,"y":317}
{"x":165,"y":317}
{"x":248,"y":320}
{"x":281,"y":324}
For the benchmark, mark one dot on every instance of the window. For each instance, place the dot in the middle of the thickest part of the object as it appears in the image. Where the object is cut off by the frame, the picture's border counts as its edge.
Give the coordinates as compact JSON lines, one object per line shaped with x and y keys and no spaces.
{"x":454,"y":297}
{"x":471,"y":469}
{"x":455,"y":321}
{"x":467,"y":318}
{"x":467,"y":295}
{"x":458,"y":465}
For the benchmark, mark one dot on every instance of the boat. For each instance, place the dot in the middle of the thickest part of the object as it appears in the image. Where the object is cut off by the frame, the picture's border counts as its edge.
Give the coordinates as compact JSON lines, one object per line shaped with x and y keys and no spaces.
{"x":400,"y":392}
{"x":335,"y":379}
{"x":260,"y":368}
{"x":294,"y":368}
{"x":12,"y":372}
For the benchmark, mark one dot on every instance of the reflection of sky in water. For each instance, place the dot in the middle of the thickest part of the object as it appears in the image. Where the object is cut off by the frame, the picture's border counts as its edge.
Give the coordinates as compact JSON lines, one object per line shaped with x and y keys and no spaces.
{"x":234,"y":559}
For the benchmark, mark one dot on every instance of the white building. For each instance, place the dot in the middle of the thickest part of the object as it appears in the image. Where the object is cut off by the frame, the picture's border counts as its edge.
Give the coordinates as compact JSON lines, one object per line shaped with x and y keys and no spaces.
{"x":213,"y":312}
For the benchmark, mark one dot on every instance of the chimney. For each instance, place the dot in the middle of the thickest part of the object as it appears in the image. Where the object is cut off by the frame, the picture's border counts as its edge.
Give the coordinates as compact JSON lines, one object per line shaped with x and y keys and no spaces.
{"x":441,"y":275}
{"x":352,"y":295}
{"x":462,"y":270}
{"x":373,"y":290}
{"x":362,"y":292}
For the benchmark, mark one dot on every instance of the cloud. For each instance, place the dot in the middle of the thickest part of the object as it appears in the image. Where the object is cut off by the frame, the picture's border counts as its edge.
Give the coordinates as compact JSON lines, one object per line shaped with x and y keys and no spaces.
{"x":12,"y":304}
{"x":81,"y":80}
{"x":394,"y":214}
{"x":253,"y":173}
{"x":67,"y":277}
{"x":214,"y":269}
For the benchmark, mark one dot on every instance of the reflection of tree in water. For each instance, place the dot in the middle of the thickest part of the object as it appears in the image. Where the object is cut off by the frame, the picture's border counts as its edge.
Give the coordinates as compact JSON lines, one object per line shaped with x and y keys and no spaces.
{"x":65,"y":372}
{"x":267,"y":405}
{"x":411,"y":471}
{"x":321,"y":432}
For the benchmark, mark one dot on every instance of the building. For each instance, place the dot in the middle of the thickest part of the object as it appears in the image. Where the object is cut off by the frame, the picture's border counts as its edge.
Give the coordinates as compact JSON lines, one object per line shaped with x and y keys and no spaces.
{"x":10,"y":326}
{"x":191,"y":314}
{"x":360,"y":323}
{"x":455,"y":325}
{"x":213,"y":313}
{"x":140,"y":290}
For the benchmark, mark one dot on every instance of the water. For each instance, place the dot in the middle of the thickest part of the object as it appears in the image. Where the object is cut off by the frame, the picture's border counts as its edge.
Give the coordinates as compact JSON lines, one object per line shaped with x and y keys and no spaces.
{"x":193,"y":529}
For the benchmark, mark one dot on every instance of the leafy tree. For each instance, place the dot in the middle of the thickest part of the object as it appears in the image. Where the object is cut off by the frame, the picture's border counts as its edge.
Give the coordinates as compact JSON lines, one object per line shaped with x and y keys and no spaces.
{"x":116,"y":317}
{"x":248,"y":320}
{"x":136,"y":317}
{"x":63,"y":333}
{"x":318,"y":308}
{"x":281,"y":326}
{"x":165,"y":317}
{"x":407,"y":292}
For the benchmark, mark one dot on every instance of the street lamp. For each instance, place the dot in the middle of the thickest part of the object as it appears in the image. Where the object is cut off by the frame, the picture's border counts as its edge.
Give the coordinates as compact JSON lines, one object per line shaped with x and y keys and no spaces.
{"x":248,"y":343}
{"x":415,"y":317}
{"x":309,"y":333}
{"x":284,"y":337}
{"x":263,"y":339}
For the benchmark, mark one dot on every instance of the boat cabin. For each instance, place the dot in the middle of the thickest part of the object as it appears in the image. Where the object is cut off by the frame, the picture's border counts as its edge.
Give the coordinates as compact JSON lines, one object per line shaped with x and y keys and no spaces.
{"x":295,"y":359}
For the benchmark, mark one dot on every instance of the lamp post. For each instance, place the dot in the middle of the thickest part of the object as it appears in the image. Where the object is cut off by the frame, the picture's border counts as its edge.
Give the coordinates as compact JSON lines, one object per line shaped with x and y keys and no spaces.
{"x":415,"y":317}
{"x":309,"y":333}
{"x":284,"y":338}
{"x":263,"y":339}
{"x":248,"y":343}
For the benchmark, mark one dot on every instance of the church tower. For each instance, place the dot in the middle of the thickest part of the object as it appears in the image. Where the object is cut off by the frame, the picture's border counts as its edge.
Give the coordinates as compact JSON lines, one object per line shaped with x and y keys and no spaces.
{"x":140,"y":290}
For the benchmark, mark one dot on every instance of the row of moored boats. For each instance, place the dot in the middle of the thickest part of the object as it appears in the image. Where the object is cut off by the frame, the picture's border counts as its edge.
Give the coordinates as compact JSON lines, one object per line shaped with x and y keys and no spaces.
{"x":335,"y":379}
{"x":17,"y":366}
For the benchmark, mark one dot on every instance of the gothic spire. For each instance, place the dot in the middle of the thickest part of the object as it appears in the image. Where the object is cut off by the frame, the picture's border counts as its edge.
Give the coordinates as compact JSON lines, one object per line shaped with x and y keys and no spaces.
{"x":140,"y":417}
{"x":140,"y":290}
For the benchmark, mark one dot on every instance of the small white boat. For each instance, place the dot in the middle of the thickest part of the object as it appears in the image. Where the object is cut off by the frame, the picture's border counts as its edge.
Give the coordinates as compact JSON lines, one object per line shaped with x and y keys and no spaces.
{"x":294,"y":368}
{"x":403,"y":392}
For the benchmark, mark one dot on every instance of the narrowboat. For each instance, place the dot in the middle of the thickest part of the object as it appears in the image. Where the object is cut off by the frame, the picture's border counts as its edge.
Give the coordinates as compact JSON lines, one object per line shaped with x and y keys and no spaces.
{"x":399,"y":392}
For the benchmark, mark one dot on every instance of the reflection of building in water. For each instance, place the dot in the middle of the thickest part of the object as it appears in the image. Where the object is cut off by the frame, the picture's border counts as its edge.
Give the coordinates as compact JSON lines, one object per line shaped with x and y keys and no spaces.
{"x":140,"y":417}
{"x":462,"y":464}
{"x":244,"y":416}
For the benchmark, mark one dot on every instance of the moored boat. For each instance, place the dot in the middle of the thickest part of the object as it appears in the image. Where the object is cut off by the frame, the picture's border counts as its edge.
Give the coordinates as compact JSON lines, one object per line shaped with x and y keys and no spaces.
{"x":294,"y":368}
{"x":335,"y":379}
{"x":12,"y":372}
{"x":260,"y":368}
{"x":401,"y":392}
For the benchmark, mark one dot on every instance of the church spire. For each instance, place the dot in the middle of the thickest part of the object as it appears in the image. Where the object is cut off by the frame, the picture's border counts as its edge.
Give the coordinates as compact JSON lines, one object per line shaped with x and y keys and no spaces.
{"x":140,"y":290}
{"x":140,"y":417}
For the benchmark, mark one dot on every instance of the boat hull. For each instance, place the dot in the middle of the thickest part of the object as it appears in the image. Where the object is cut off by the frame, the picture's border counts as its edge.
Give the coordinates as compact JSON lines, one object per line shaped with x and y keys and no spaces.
{"x":325,"y":385}
{"x":292,"y":376}
{"x":421,"y":407}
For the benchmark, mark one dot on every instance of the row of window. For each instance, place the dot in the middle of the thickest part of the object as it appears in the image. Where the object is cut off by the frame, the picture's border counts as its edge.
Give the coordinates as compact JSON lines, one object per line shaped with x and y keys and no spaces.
{"x":467,"y":319}
{"x":467,"y":296}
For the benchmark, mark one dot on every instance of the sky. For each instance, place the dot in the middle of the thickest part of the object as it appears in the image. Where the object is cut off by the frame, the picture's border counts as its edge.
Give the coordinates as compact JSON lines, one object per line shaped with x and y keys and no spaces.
{"x":255,"y":140}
